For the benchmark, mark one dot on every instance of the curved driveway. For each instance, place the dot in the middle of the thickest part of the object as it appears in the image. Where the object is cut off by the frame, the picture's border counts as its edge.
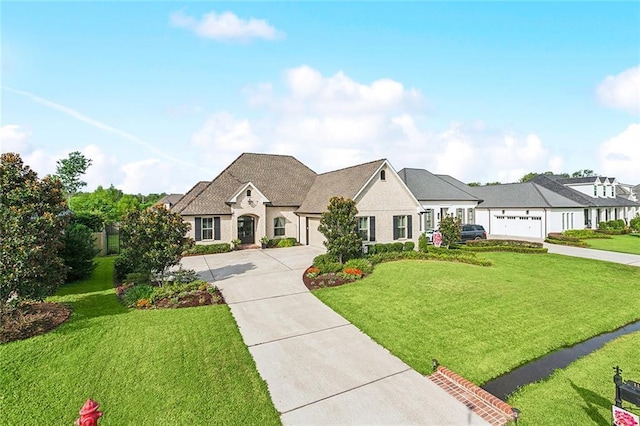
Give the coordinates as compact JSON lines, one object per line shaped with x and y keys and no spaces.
{"x":319,"y":368}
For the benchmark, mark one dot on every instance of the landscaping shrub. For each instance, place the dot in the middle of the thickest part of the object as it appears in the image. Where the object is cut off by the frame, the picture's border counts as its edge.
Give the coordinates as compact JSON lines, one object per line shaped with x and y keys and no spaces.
{"x":90,"y":220}
{"x":506,"y":243}
{"x":137,"y":278}
{"x":561,"y":237}
{"x":408,"y":246}
{"x":612,"y":231}
{"x":444,"y":255}
{"x":184,"y":276}
{"x":395,"y":246}
{"x":124,"y":264}
{"x":612,"y":225}
{"x":381,"y":248}
{"x":327,"y":263}
{"x":635,"y":223}
{"x":350,"y":274}
{"x":362,"y":264}
{"x":133,"y":294}
{"x":371,"y":249}
{"x":287,"y":242}
{"x":423,"y":243}
{"x":78,"y":251}
{"x":178,"y":289}
{"x":511,"y":249}
{"x":208,"y":249}
{"x":585,"y":234}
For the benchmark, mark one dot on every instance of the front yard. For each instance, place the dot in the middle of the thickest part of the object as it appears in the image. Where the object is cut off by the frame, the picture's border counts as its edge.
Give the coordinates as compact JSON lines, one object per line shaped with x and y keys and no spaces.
{"x":153,"y":367}
{"x":629,"y":243}
{"x":482,"y":322}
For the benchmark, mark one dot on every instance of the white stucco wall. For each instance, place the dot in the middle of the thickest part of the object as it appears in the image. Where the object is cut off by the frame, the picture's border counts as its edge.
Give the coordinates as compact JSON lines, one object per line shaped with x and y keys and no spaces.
{"x":291,"y":221}
{"x":448,"y":208}
{"x":225,"y":229}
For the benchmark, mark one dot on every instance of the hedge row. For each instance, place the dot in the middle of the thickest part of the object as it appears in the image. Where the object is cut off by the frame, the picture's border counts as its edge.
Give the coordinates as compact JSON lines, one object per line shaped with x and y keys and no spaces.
{"x":566,"y":242}
{"x":282,"y":242}
{"x":511,"y":249}
{"x":504,"y":243}
{"x":455,"y":256}
{"x":208,"y":249}
{"x":585,"y":234}
{"x":390,"y":247}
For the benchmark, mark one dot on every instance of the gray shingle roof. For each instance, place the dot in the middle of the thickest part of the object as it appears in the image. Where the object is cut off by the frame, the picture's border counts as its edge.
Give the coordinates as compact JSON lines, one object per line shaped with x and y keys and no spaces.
{"x":338,"y":183}
{"x":427,"y":186}
{"x":189,"y":196}
{"x":584,"y":200}
{"x":284,"y":180}
{"x":172,"y":199}
{"x":520,"y":195}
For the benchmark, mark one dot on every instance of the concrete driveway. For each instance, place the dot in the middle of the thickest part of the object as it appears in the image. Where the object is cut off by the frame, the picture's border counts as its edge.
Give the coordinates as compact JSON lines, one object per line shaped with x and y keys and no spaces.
{"x":319,"y":368}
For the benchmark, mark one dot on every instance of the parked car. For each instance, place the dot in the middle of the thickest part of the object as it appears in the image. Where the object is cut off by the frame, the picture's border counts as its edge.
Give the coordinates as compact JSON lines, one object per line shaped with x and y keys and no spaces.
{"x":429,"y":235}
{"x":472,"y":232}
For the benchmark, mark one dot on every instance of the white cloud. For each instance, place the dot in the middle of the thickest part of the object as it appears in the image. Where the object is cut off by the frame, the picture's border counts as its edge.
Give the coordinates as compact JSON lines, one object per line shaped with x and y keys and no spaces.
{"x":621,"y":91}
{"x":13,"y":138}
{"x":226,"y":26}
{"x":620,"y":155}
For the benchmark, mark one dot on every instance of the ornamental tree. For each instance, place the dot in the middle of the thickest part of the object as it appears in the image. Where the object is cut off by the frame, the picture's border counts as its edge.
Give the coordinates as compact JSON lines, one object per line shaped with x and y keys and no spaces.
{"x":32,"y":220}
{"x":450,"y":229}
{"x":339,"y":226}
{"x":70,"y":169}
{"x":154,"y":239}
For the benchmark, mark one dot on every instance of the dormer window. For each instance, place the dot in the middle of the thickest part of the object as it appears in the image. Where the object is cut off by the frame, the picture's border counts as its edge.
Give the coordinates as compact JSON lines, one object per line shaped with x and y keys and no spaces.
{"x":248,"y":193}
{"x":383,"y":175}
{"x":595,"y":190}
{"x":613,"y":191}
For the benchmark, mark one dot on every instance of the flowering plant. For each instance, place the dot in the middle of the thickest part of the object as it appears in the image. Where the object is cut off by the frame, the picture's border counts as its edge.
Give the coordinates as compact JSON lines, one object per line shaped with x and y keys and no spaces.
{"x":353,"y":271}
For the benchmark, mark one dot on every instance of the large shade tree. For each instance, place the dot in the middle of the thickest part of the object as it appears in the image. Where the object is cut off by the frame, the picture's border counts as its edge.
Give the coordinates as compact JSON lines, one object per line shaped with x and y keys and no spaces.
{"x":32,"y":220}
{"x":70,"y":169}
{"x":339,"y":226}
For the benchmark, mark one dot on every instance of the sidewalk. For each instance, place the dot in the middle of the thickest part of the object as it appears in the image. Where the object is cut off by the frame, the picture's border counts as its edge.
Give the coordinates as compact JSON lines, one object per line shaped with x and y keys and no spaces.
{"x":319,"y":368}
{"x":609,"y":256}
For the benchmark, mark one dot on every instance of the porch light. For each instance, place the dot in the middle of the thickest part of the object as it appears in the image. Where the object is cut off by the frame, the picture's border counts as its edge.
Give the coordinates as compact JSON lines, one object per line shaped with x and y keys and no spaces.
{"x":516,"y":414}
{"x":434,"y":364}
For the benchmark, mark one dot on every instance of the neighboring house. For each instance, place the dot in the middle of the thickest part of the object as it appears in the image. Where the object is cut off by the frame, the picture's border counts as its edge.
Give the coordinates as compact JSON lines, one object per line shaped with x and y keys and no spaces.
{"x":169,"y":201}
{"x":278,"y":196}
{"x":440,"y":196}
{"x":550,"y":204}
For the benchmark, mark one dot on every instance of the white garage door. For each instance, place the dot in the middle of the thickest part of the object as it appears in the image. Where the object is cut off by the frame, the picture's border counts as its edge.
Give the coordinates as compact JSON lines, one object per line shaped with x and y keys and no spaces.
{"x":315,"y":237}
{"x":517,"y":226}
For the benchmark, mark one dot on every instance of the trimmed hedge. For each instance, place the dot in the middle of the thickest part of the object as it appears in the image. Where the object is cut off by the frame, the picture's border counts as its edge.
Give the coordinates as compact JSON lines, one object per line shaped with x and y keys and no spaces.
{"x":390,"y":247}
{"x":208,"y":249}
{"x":508,"y":243}
{"x":456,"y":256}
{"x":585,"y":234}
{"x":512,"y":249}
{"x":362,"y":264}
{"x":282,"y":242}
{"x":565,"y":242}
{"x":327,"y":264}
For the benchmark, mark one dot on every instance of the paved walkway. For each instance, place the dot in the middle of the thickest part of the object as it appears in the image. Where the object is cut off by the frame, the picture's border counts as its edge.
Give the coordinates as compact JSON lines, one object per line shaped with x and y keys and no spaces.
{"x":609,"y":256}
{"x":319,"y":368}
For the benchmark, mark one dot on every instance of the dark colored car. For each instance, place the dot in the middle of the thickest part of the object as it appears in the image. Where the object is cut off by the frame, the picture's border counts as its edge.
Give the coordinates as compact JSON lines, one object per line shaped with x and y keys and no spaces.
{"x":472,"y":232}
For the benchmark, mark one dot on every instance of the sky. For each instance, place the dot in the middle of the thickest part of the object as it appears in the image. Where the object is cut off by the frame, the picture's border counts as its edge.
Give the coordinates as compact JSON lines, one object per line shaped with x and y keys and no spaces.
{"x":161,"y":95}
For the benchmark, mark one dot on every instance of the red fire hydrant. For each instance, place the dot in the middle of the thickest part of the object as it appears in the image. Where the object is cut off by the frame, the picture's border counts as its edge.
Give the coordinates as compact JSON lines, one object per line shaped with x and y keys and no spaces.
{"x":89,"y":414}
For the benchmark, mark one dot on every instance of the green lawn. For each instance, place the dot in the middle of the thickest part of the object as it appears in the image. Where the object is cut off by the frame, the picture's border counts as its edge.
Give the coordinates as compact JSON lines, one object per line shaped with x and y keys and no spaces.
{"x":581,"y":394}
{"x":629,"y":243}
{"x":484,"y":321}
{"x":156,"y":367}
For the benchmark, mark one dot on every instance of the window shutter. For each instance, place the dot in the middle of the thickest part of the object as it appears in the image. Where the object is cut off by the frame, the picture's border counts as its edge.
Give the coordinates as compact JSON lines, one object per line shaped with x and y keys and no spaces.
{"x":409,"y":231}
{"x":357,"y":224}
{"x":395,"y":227}
{"x":216,"y":228}
{"x":372,"y":228}
{"x":198,"y":230}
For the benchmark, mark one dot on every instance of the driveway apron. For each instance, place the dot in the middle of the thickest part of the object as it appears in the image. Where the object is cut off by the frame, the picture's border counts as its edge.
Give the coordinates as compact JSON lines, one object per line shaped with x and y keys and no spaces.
{"x":319,"y":368}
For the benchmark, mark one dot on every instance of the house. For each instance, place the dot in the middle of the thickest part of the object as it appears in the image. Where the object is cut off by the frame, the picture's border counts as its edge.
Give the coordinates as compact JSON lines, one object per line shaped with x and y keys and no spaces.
{"x":169,"y":201}
{"x":278,"y":196}
{"x":440,"y":196}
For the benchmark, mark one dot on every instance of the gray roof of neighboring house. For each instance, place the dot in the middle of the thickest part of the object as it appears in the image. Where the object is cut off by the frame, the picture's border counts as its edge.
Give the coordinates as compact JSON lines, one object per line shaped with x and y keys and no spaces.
{"x":189,"y":196}
{"x":284,"y":180}
{"x":555,"y":185}
{"x":170,"y":199}
{"x":520,"y":195}
{"x":338,"y":183}
{"x":426,"y":186}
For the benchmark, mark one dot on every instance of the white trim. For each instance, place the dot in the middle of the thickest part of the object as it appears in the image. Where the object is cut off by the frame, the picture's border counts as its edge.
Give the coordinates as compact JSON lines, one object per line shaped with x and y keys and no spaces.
{"x":234,"y":199}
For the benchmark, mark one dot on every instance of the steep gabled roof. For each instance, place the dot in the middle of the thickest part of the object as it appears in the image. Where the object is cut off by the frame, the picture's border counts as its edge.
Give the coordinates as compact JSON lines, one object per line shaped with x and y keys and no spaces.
{"x":171,"y":199}
{"x":345,"y":183}
{"x":426,"y":186}
{"x":189,"y":196}
{"x":284,"y":180}
{"x":556,"y":186}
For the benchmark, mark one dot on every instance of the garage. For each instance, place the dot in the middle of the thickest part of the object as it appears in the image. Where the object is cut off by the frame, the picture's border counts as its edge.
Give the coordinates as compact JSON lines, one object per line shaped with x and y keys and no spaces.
{"x":517,"y":226}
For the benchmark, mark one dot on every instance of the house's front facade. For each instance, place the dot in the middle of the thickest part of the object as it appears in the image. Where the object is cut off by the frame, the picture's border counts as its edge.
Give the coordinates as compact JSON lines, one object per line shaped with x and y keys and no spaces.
{"x":277,"y":196}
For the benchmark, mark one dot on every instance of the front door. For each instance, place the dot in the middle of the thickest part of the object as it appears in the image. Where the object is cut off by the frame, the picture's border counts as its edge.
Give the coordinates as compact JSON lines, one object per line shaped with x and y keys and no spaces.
{"x":246,"y":230}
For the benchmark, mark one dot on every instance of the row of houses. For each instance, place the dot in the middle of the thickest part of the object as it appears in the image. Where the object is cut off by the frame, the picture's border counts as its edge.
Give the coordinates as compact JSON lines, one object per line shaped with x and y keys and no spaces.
{"x":278,"y":196}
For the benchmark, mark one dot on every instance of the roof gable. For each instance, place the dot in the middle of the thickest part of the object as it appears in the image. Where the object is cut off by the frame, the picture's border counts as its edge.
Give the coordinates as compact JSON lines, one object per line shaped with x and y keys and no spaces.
{"x":426,"y":186}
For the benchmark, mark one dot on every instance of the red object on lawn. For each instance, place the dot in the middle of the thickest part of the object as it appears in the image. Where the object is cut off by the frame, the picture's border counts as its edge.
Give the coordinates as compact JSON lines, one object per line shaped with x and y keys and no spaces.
{"x":89,"y":414}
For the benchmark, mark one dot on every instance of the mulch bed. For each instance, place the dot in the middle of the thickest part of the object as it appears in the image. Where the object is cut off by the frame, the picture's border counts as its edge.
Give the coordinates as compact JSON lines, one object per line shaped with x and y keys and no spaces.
{"x":199,"y":298}
{"x":33,"y":319}
{"x":324,"y":280}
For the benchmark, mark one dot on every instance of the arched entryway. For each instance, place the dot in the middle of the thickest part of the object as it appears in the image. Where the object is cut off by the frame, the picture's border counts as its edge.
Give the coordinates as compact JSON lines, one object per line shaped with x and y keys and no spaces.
{"x":246,"y":230}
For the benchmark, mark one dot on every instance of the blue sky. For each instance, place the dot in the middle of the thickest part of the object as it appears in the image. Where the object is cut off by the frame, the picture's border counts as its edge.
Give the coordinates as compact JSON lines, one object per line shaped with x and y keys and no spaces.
{"x":161,"y":95}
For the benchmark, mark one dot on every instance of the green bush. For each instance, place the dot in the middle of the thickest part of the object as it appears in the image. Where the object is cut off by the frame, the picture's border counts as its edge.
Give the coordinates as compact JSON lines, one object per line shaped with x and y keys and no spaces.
{"x":445,"y":255}
{"x":511,"y":249}
{"x":612,"y":231}
{"x":362,"y":263}
{"x":287,"y":242}
{"x":137,"y":292}
{"x":408,"y":246}
{"x":327,"y":263}
{"x":184,"y":276}
{"x":90,"y":220}
{"x":137,"y":278}
{"x":395,"y":246}
{"x":502,"y":243}
{"x":124,"y":264}
{"x":561,"y":237}
{"x":635,"y":223}
{"x":177,"y":289}
{"x":208,"y":249}
{"x":423,"y":243}
{"x":371,"y":249}
{"x":78,"y":251}
{"x":381,"y":248}
{"x":585,"y":234}
{"x":565,"y":242}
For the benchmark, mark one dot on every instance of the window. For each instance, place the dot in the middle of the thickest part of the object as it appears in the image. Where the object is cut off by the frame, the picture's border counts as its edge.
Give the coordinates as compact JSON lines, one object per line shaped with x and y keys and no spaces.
{"x":428,"y":219}
{"x":363,"y":228}
{"x":470,"y":218}
{"x":459,"y":214}
{"x":383,"y":175}
{"x":399,"y":227}
{"x":613,"y":191}
{"x":248,"y":193}
{"x":595,"y":190}
{"x":207,"y":228}
{"x":278,"y":226}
